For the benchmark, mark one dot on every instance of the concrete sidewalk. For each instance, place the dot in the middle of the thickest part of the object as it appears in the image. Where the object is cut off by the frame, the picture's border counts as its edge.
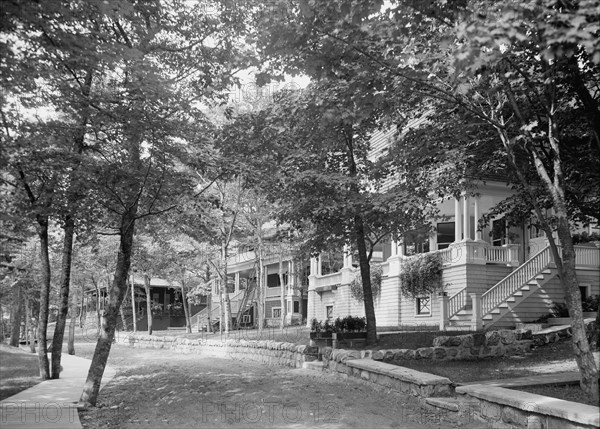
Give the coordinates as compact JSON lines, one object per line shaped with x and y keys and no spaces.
{"x":51,"y":403}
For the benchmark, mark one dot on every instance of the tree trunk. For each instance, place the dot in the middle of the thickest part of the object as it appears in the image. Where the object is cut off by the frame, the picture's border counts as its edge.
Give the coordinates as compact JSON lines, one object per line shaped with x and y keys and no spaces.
{"x":148,"y":303}
{"x":122,"y":310}
{"x":98,"y":311}
{"x":226,"y":300}
{"x":221,"y":306}
{"x":583,"y":353}
{"x":260,"y":289}
{"x":359,"y":235}
{"x":133,"y":312}
{"x":16,"y":315}
{"x":44,"y":297}
{"x":282,"y":290}
{"x":566,"y":262}
{"x":209,"y":318}
{"x":186,"y":310}
{"x":30,"y":325}
{"x":83,"y":308}
{"x":91,"y":388}
{"x":72,"y":324}
{"x":365,"y":274}
{"x":63,"y":307}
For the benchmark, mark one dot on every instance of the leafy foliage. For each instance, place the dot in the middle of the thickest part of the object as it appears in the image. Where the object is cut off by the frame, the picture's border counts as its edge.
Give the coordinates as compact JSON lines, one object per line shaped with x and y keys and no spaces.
{"x":421,"y":275}
{"x":356,"y":289}
{"x":346,"y":324}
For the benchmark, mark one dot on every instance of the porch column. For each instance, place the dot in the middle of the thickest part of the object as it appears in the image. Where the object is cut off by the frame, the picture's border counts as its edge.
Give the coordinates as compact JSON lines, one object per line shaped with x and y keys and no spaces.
{"x":443,"y":300}
{"x":477,"y":317}
{"x":291,"y":276}
{"x":394,"y":245}
{"x":236,"y":277}
{"x":476,"y":215}
{"x":457,"y":221}
{"x":319,"y":265}
{"x":347,"y":257}
{"x":466,"y":218}
{"x":313,"y":266}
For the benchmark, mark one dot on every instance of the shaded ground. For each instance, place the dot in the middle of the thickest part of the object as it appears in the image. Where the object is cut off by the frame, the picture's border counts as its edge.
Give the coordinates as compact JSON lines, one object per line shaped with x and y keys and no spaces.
{"x":19,"y":370}
{"x":156,"y":388}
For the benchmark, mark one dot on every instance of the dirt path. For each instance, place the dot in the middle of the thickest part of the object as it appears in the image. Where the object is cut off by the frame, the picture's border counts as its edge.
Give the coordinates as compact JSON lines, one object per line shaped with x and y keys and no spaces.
{"x":162,"y":389}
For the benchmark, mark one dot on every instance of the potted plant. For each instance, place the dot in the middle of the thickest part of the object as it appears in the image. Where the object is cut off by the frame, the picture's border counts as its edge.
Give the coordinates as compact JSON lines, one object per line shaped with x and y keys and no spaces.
{"x":349,"y":329}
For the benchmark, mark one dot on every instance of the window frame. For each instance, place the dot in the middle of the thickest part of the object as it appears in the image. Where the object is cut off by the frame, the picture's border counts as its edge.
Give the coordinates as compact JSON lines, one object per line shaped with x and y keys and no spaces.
{"x":429,"y":305}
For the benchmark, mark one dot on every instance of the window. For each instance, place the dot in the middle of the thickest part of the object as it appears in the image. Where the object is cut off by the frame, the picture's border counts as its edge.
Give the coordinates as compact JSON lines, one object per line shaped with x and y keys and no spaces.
{"x":445,"y":234}
{"x":585,"y":292}
{"x":416,"y":241}
{"x":424,"y":305}
{"x":230,"y":284}
{"x":498,"y":232}
{"x":276,"y":312}
{"x":273,"y":280}
{"x":329,"y":310}
{"x":296,"y":306}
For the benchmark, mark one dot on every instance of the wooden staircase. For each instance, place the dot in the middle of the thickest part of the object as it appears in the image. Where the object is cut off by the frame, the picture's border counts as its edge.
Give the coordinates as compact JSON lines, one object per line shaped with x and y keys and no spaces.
{"x":245,"y":304}
{"x":505,"y":295}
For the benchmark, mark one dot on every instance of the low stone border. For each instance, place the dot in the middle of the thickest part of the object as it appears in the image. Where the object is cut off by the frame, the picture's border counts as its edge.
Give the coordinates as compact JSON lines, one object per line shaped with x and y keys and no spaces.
{"x":403,"y":380}
{"x":522,"y":409}
{"x":267,"y":352}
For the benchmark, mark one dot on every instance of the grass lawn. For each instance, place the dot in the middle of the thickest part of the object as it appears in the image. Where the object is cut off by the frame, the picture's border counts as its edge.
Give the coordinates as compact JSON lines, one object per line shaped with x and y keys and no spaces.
{"x":19,"y":370}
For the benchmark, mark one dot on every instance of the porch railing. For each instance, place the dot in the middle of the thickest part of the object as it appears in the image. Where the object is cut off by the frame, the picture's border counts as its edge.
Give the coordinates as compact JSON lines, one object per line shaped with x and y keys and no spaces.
{"x":498,"y":254}
{"x":586,"y":256}
{"x":515,"y":280}
{"x":329,"y":279}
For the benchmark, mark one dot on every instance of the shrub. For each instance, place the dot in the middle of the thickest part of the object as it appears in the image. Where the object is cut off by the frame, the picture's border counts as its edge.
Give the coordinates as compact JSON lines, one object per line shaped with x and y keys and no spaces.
{"x":591,"y":303}
{"x":421,"y":275}
{"x":559,"y":309}
{"x":347,"y":324}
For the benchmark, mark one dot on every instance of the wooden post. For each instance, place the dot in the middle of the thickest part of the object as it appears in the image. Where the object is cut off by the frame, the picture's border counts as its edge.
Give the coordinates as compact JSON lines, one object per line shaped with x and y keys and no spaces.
{"x":443,"y":299}
{"x":477,"y":317}
{"x":457,"y":221}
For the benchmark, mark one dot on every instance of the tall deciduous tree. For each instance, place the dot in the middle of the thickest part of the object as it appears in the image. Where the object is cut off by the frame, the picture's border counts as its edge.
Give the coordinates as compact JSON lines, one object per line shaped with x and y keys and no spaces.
{"x":315,"y":146}
{"x":519,"y":67}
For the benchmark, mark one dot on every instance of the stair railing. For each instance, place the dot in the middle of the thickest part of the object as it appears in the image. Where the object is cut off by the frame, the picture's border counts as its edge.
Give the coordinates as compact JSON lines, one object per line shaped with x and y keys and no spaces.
{"x":515,"y":280}
{"x":457,"y":302}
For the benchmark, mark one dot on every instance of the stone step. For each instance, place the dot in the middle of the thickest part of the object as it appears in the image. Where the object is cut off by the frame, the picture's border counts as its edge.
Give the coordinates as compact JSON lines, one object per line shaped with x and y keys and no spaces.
{"x":316,"y":365}
{"x":449,"y":404}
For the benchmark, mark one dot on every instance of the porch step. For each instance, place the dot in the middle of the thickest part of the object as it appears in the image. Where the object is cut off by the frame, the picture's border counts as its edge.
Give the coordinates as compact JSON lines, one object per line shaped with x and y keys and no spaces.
{"x":517,"y":297}
{"x":458,"y":328}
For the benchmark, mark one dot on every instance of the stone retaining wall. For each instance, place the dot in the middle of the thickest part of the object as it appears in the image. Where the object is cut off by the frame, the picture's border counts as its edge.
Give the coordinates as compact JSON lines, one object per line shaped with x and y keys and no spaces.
{"x":266,"y":352}
{"x":460,"y":347}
